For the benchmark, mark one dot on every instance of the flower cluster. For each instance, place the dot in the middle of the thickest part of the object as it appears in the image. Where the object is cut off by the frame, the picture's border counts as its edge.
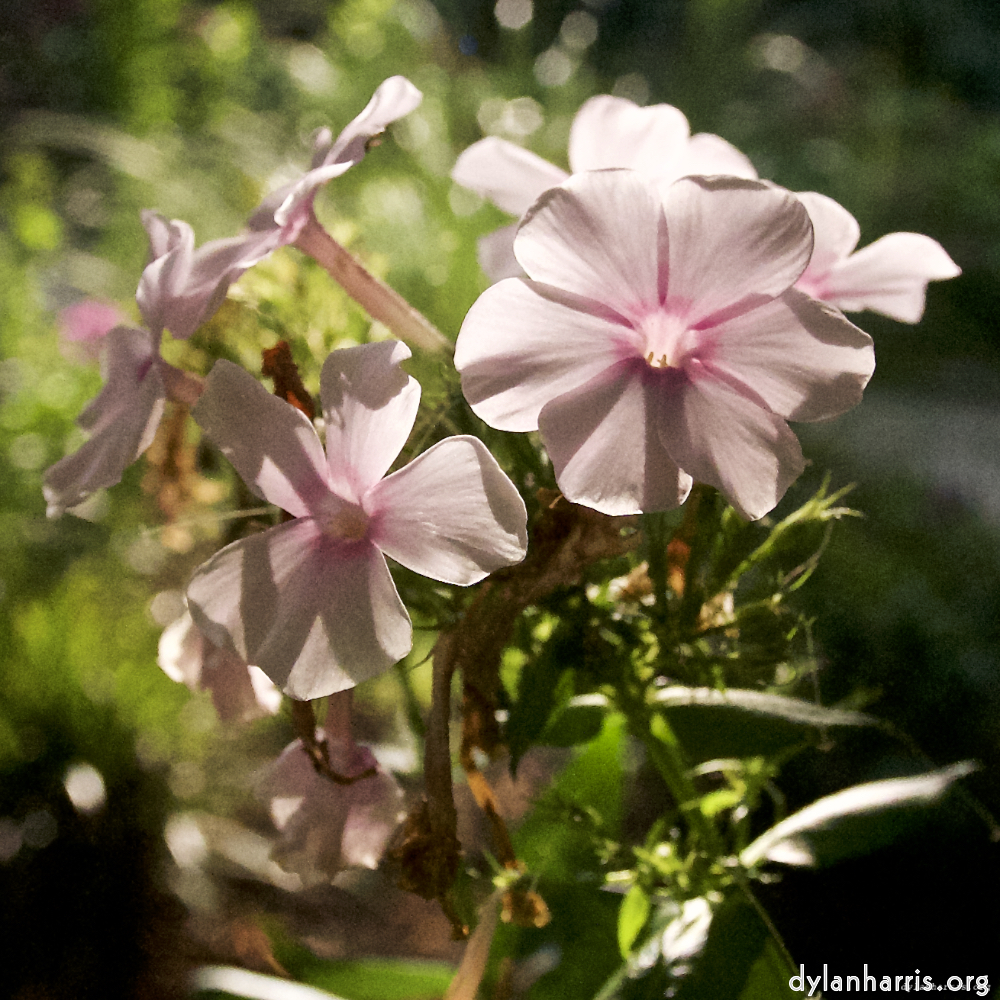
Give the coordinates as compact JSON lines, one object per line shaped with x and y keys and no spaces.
{"x":659,"y":315}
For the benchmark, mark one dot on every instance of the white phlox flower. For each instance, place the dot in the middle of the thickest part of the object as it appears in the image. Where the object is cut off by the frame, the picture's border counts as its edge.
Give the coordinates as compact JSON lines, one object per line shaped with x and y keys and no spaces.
{"x":311,"y":601}
{"x":658,"y":340}
{"x":325,"y":827}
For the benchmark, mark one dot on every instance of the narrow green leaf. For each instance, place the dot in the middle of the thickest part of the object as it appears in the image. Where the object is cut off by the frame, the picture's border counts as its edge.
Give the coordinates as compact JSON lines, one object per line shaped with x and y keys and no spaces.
{"x":632,"y":918}
{"x":851,"y":822}
{"x":795,"y":710}
{"x":739,"y":723}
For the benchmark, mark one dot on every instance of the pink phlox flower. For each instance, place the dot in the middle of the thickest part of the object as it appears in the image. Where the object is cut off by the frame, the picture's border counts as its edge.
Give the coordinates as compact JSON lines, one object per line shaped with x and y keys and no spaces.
{"x":658,"y":340}
{"x":183,"y":286}
{"x":325,"y":827}
{"x":239,"y":692}
{"x":888,"y":276}
{"x":311,"y":601}
{"x":607,"y":132}
{"x":122,"y":419}
{"x":285,"y":212}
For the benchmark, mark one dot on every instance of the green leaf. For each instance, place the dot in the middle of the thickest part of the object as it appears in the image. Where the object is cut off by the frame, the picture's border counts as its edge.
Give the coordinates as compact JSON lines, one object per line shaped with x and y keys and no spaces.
{"x":381,"y":978}
{"x":632,"y":918}
{"x":737,"y":723}
{"x":854,"y":821}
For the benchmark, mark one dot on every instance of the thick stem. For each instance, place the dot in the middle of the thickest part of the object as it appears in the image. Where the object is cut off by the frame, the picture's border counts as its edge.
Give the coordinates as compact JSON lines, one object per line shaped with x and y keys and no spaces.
{"x":379,"y":300}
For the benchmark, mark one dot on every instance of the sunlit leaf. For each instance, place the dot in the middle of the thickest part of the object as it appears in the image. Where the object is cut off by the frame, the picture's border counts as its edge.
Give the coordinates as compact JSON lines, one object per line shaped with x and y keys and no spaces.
{"x":851,"y":822}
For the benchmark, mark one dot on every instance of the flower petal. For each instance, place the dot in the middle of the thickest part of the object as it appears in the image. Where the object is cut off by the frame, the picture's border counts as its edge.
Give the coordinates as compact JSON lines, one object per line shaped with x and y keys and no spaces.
{"x":801,"y":356}
{"x":835,"y":233}
{"x":316,"y":615}
{"x":614,"y":132}
{"x":890,"y":276}
{"x":523,"y":343}
{"x":510,"y":176}
{"x":369,"y":405}
{"x":394,"y":98}
{"x":733,"y":242}
{"x":122,"y":421}
{"x":495,"y":252}
{"x":451,"y":514}
{"x":711,"y":154}
{"x":604,"y":446}
{"x":597,"y":235}
{"x":272,"y":445}
{"x":183,"y":287}
{"x":287,"y":210}
{"x":724,"y":439}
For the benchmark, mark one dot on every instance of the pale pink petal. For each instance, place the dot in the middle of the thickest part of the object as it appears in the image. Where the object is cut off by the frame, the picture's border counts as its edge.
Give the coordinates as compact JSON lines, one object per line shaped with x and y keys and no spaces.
{"x":890,"y":276}
{"x":317,"y":615}
{"x":451,"y":514}
{"x":185,"y":655}
{"x":325,"y":826}
{"x":603,"y":442}
{"x":711,"y":154}
{"x":369,"y":405}
{"x":162,"y":235}
{"x":614,"y":132}
{"x":495,"y":252}
{"x":180,"y":650}
{"x":522,"y":343}
{"x":183,"y":287}
{"x":510,"y":176}
{"x":596,"y":235}
{"x":733,"y":243}
{"x":287,"y":209}
{"x":271,"y":444}
{"x":122,"y":421}
{"x":731,"y":442}
{"x":835,"y":234}
{"x":801,"y":356}
{"x":393,"y":99}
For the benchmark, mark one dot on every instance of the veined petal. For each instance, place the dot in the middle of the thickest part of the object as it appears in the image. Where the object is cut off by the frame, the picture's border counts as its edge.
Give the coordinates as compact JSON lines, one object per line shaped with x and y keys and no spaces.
{"x":522,"y":343}
{"x":711,"y":154}
{"x":603,"y":442}
{"x":316,"y":615}
{"x":890,"y":276}
{"x":451,"y":514}
{"x":614,"y":132}
{"x":271,"y":444}
{"x":394,"y":98}
{"x":510,"y":176}
{"x":835,"y":233}
{"x":122,"y":421}
{"x":801,"y":356}
{"x":597,"y":235}
{"x":726,"y":440}
{"x":369,"y":405}
{"x":732,"y":242}
{"x":495,"y":252}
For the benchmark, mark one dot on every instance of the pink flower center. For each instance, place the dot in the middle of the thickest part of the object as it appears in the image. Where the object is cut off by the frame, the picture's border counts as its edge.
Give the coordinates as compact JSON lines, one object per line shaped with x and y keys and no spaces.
{"x":349,"y":524}
{"x":669,"y":342}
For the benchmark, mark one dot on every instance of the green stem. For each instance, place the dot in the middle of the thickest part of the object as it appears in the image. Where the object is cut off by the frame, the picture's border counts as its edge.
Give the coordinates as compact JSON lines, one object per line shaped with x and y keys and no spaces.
{"x":667,"y":755}
{"x":379,"y":300}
